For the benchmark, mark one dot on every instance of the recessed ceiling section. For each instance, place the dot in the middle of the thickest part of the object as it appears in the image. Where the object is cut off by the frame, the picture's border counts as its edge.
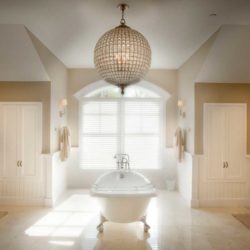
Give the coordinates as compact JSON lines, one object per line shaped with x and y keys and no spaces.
{"x":175,"y":29}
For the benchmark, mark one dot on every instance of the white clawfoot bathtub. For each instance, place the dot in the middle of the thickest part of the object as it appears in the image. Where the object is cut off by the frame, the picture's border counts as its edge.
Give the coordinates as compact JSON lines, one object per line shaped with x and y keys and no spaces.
{"x":123,"y":197}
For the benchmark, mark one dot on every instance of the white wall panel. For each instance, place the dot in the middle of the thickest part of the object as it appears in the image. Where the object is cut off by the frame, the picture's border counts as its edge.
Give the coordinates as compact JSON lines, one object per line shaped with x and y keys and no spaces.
{"x":185,"y":176}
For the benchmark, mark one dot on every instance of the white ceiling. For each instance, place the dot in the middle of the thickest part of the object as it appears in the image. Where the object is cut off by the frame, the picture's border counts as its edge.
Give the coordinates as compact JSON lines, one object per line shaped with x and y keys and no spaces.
{"x":174,"y":28}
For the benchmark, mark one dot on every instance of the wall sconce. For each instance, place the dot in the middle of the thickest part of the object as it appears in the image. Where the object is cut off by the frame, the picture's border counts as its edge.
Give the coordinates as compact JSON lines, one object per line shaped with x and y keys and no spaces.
{"x":180,"y":106}
{"x":63,"y":106}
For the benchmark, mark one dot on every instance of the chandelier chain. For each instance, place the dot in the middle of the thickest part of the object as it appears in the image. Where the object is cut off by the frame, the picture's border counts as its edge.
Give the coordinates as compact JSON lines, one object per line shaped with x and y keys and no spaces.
{"x":123,"y":7}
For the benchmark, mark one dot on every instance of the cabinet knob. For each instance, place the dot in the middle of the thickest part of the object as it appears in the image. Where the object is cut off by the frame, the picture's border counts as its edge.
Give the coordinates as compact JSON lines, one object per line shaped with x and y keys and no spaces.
{"x":17,"y":163}
{"x":21,"y":163}
{"x":224,"y":164}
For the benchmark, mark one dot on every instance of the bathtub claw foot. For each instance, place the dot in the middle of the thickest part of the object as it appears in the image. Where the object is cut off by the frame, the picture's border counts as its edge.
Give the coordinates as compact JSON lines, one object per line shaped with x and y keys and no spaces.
{"x":146,"y":226}
{"x":100,"y":227}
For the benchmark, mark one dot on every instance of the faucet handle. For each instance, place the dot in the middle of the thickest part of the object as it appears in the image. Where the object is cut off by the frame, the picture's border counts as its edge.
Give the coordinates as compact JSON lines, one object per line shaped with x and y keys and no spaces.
{"x":122,"y":158}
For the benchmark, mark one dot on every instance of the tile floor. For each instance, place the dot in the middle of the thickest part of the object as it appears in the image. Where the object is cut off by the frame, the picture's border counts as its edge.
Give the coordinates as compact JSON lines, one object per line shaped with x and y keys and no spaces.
{"x":72,"y":225}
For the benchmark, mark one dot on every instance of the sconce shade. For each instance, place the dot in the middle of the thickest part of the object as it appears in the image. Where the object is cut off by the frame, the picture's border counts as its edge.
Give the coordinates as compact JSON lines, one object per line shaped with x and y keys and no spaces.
{"x":64,"y":102}
{"x":180,"y":106}
{"x":180,"y":103}
{"x":63,"y":107}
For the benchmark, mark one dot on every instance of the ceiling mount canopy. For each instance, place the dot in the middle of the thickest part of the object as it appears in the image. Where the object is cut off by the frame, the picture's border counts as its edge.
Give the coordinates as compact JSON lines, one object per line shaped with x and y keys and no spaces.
{"x":122,"y":55}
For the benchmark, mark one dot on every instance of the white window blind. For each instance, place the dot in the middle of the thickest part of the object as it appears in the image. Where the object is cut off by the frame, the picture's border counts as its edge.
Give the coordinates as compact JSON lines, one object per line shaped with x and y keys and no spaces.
{"x":142,"y":133}
{"x":120,"y":125}
{"x":99,"y":134}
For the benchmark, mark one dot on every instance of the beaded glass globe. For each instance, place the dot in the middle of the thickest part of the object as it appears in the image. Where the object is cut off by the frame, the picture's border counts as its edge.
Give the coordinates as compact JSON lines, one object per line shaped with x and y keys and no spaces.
{"x":122,"y":55}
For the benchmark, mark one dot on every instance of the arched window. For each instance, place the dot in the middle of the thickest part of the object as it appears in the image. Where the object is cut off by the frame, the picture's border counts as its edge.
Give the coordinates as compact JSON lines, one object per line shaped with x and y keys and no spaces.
{"x":111,"y":123}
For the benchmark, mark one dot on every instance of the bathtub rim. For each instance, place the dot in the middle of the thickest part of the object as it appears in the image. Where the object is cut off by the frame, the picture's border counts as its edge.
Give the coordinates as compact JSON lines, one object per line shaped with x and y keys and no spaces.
{"x":125,"y":194}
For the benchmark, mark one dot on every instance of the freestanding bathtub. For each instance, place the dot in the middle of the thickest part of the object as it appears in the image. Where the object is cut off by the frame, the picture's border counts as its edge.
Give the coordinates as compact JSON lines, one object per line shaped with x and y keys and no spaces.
{"x":123,"y":196}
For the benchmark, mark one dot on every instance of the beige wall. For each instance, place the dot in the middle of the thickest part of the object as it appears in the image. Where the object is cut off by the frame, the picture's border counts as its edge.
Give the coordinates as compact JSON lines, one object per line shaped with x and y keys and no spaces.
{"x":167,"y":80}
{"x":218,"y":93}
{"x":187,"y":74}
{"x":79,"y":78}
{"x":58,"y":74}
{"x":30,"y":92}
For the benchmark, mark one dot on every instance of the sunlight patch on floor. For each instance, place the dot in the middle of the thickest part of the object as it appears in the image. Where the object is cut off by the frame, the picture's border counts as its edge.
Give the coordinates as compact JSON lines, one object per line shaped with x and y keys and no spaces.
{"x":68,"y":243}
{"x":79,"y":202}
{"x":69,"y":219}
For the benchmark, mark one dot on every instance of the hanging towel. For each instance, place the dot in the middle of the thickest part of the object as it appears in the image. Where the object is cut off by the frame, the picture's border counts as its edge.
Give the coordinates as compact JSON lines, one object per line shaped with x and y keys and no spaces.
{"x":64,"y":143}
{"x":179,"y":144}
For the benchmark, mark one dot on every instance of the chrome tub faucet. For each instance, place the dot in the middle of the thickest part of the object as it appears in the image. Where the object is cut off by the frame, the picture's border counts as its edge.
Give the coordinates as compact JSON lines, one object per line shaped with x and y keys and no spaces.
{"x":122,"y":162}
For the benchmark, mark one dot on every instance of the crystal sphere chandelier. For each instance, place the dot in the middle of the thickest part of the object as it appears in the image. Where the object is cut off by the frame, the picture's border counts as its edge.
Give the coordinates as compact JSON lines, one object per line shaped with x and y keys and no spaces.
{"x":122,"y":55}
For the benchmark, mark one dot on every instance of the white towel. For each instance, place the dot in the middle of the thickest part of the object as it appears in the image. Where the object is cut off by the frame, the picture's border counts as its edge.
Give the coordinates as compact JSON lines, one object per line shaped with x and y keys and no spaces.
{"x":64,"y":143}
{"x":179,"y":144}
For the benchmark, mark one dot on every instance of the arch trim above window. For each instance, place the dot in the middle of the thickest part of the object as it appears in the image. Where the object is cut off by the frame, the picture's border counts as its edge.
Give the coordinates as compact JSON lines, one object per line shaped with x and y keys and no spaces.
{"x":100,"y":84}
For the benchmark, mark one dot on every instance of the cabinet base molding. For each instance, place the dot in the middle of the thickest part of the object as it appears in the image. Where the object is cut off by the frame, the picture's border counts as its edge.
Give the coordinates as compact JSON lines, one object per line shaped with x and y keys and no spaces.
{"x":48,"y":203}
{"x":10,"y":201}
{"x":224,"y":203}
{"x":195,"y":203}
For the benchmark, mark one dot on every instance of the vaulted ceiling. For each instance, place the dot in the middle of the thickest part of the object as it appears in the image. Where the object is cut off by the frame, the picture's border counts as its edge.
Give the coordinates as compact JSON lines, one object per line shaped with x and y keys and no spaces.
{"x":174,"y":28}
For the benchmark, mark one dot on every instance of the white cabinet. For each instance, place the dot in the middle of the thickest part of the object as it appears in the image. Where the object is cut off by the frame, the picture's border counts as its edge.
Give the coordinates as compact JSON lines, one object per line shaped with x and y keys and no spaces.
{"x":223,"y":172}
{"x":225,"y":141}
{"x":30,"y":144}
{"x":20,"y":150}
{"x":8,"y":141}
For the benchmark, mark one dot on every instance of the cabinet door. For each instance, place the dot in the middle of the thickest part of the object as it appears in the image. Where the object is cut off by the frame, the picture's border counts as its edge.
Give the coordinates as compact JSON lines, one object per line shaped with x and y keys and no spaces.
{"x":235,"y":141}
{"x":8,"y":141}
{"x":30,"y":133}
{"x":214,"y":141}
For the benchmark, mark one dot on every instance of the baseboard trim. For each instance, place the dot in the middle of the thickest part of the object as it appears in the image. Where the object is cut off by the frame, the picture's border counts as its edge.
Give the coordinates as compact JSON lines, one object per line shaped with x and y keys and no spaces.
{"x":195,"y":203}
{"x":10,"y":201}
{"x":224,"y":203}
{"x":48,"y":203}
{"x":248,"y":203}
